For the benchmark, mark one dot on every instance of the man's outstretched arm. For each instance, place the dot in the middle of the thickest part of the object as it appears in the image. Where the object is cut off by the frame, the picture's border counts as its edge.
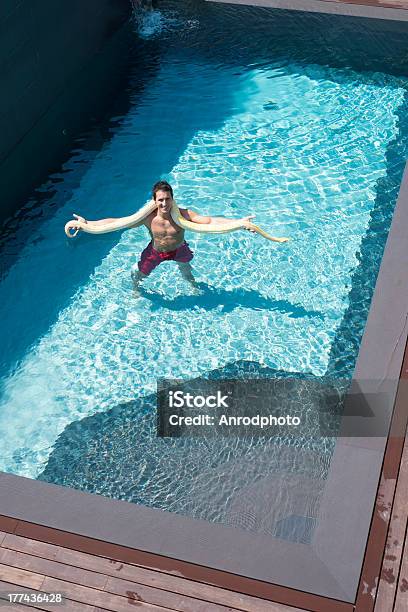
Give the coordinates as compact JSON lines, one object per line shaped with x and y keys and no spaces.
{"x":105,"y":221}
{"x":190,"y":215}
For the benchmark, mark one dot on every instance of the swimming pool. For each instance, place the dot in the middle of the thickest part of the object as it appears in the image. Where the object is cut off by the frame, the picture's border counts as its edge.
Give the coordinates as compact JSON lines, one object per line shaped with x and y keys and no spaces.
{"x":253,"y":122}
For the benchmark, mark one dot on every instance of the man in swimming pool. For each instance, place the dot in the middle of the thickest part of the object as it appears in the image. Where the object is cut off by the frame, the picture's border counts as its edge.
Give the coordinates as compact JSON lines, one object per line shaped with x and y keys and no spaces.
{"x":167,"y":238}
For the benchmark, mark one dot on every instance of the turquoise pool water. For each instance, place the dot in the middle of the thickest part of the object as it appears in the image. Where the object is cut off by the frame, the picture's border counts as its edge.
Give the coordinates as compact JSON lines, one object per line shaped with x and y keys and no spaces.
{"x":315,"y":151}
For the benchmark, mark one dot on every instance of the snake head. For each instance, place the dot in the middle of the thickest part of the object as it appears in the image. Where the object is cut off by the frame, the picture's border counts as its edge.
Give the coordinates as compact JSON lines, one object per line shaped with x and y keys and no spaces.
{"x":72,"y":225}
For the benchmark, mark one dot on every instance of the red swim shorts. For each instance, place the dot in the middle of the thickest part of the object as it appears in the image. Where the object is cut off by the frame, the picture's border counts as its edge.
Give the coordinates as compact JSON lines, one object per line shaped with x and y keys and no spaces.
{"x":150,"y":258}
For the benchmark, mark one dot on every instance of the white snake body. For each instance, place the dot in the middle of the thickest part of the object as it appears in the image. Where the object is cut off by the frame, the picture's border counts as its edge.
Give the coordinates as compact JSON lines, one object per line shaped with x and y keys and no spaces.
{"x":147,"y":209}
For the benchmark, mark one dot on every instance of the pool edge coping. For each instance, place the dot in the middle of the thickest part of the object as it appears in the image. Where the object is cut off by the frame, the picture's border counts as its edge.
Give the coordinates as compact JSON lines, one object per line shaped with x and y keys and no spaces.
{"x":326,"y":7}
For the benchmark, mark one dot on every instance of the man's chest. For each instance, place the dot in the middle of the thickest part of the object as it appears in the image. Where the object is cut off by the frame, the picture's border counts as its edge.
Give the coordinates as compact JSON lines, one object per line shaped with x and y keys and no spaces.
{"x":163,"y":227}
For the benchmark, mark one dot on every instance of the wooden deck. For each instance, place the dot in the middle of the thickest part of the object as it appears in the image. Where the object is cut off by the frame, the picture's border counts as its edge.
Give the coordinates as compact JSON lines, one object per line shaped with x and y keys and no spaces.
{"x":92,"y":582}
{"x":393,"y":586}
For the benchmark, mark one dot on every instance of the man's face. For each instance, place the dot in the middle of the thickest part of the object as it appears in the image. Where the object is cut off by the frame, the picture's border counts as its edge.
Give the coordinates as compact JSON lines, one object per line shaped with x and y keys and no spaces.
{"x":164,"y":201}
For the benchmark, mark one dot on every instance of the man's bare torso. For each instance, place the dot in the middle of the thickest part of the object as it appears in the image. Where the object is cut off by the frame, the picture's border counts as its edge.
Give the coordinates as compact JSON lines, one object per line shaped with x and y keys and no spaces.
{"x":166,"y":235}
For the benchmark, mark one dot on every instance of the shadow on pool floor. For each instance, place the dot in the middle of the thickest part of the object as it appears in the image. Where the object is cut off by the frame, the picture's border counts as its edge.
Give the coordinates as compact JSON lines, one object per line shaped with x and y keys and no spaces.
{"x":212,"y":297}
{"x":249,"y":482}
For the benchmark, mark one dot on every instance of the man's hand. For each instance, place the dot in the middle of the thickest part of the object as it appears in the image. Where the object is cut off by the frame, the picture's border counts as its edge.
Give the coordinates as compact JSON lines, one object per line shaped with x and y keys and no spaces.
{"x":248,"y":225}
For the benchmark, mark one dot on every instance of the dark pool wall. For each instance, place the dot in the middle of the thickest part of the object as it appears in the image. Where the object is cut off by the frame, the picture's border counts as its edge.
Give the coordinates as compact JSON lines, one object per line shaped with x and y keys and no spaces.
{"x":60,"y":62}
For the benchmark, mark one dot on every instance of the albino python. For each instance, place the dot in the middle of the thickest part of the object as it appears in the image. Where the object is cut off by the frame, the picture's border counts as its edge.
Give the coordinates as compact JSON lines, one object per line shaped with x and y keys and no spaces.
{"x":147,"y":209}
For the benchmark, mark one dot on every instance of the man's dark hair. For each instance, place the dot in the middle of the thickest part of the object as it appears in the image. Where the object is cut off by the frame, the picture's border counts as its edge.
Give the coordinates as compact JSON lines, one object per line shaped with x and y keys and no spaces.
{"x":161,"y":186}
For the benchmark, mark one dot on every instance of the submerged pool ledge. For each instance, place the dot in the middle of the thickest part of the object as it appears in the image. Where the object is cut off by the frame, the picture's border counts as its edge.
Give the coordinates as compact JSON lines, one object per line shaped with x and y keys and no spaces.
{"x":330,"y":566}
{"x":329,"y":6}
